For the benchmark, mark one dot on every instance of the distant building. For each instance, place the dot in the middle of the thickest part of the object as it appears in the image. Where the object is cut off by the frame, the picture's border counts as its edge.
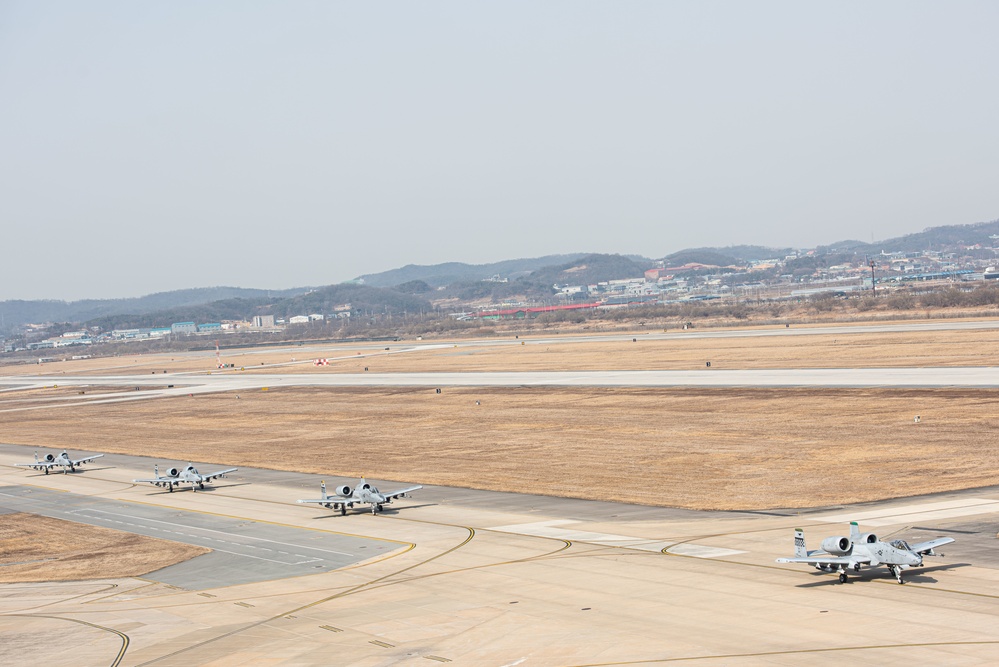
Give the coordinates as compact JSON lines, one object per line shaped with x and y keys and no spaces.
{"x":184,"y":328}
{"x":263,"y":321}
{"x":298,"y":319}
{"x":210,"y":327}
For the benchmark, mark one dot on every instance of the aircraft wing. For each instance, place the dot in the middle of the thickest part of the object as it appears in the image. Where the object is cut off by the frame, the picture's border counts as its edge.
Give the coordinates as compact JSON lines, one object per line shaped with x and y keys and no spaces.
{"x":926,"y":547}
{"x":402,"y":492}
{"x":219,"y":473}
{"x":89,"y":458}
{"x":154,"y":480}
{"x":828,"y":560}
{"x":329,"y":499}
{"x":40,"y":464}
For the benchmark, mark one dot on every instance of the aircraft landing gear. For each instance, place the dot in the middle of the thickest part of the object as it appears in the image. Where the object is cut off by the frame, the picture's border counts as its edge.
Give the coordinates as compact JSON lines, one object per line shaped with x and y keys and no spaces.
{"x":46,"y":471}
{"x":343,"y":510}
{"x":896,"y":572}
{"x":201,"y":485}
{"x":170,"y":486}
{"x":842,"y":577}
{"x":376,"y":508}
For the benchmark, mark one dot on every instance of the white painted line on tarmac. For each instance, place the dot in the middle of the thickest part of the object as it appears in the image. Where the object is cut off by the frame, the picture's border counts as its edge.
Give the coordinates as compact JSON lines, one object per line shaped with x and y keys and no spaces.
{"x":269,"y":560}
{"x":211,"y":530}
{"x":900,"y":514}
{"x":701,"y":551}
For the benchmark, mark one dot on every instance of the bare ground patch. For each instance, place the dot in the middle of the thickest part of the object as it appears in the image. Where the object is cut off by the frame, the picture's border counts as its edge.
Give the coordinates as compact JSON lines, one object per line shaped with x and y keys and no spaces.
{"x":38,"y":548}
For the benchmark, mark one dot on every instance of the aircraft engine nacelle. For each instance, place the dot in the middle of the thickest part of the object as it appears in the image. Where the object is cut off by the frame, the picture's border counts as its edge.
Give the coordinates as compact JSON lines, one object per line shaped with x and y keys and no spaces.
{"x":343,"y":490}
{"x":50,"y":458}
{"x":173,"y":472}
{"x":838,"y":546}
{"x":869,"y":538}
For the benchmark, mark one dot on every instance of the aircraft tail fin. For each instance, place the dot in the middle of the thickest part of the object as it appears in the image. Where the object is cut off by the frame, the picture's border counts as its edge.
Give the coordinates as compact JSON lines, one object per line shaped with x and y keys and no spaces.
{"x":322,"y":486}
{"x":799,"y":544}
{"x":854,"y":532}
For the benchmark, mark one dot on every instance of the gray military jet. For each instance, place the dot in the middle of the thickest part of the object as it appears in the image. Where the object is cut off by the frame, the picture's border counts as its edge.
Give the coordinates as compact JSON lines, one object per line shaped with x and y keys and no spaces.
{"x":345,"y":497}
{"x":188,"y":475}
{"x":63,"y":460}
{"x":839,"y":554}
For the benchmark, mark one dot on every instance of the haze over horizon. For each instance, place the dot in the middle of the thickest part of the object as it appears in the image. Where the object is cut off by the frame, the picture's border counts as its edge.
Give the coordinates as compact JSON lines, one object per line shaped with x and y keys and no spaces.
{"x":155,"y":147}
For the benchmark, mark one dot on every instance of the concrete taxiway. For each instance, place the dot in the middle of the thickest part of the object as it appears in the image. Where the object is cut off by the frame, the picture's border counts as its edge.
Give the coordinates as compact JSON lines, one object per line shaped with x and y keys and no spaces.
{"x":505,"y":579}
{"x":243,"y":551}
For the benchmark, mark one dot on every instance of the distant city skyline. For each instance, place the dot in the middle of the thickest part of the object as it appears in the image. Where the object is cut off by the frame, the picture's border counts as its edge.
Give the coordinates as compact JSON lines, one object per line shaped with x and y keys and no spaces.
{"x":149,"y":147}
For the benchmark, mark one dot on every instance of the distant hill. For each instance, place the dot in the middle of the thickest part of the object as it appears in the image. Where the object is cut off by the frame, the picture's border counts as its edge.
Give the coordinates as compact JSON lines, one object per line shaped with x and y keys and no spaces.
{"x":409,"y":288}
{"x":216,"y":311}
{"x":438,"y":275}
{"x":727,"y":256}
{"x":16,"y":313}
{"x":932,"y":238}
{"x":592,"y":269}
{"x":360,"y":297}
{"x":321,"y":300}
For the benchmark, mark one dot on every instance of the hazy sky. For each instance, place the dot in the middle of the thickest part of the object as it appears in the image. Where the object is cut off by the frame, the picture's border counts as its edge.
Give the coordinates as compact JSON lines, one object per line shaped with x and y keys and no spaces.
{"x":147,"y":147}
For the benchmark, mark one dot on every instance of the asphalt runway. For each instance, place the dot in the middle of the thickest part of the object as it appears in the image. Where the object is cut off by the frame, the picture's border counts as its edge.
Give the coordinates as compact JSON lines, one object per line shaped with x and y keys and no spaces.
{"x":305,"y":485}
{"x":841,"y":378}
{"x":242,"y":551}
{"x":568,"y":511}
{"x":496,"y":579}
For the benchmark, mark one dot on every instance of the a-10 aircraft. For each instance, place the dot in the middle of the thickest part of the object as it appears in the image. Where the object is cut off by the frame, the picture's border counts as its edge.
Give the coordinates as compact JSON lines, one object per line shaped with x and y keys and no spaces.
{"x":839,"y":554}
{"x":345,"y":497}
{"x":51,"y":460}
{"x":188,"y":475}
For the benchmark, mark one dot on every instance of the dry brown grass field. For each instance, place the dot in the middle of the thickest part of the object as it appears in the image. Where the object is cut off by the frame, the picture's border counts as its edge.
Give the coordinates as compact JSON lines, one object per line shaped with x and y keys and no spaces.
{"x":695,"y":448}
{"x":698,"y":448}
{"x":945,"y":348}
{"x":856,"y":350}
{"x":39,"y":548}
